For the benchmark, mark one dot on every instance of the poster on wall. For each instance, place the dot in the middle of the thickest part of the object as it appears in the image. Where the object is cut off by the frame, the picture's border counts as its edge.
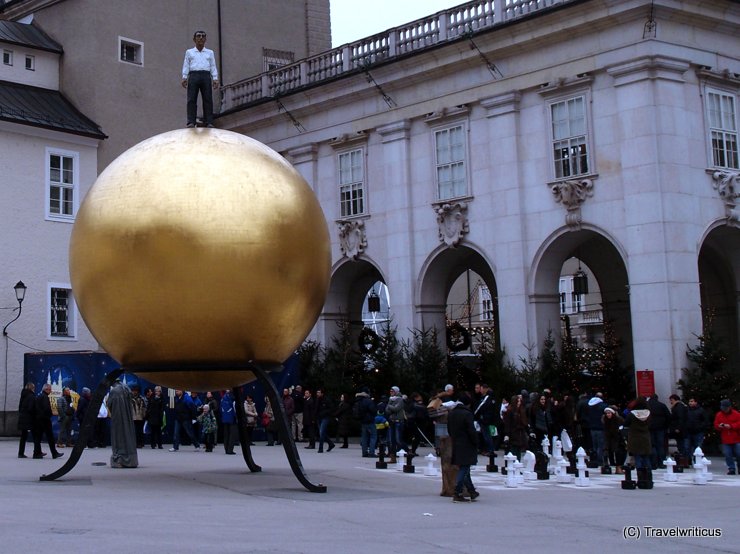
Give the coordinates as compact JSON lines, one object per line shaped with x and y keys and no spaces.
{"x":645,"y":382}
{"x":79,"y":369}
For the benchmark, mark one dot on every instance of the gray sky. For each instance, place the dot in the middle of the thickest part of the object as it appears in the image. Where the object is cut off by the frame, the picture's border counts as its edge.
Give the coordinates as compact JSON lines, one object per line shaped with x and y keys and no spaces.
{"x":355,"y":19}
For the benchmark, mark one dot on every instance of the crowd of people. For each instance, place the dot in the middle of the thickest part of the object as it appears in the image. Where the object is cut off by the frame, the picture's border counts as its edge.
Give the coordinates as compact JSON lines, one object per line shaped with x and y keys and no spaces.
{"x":613,"y":435}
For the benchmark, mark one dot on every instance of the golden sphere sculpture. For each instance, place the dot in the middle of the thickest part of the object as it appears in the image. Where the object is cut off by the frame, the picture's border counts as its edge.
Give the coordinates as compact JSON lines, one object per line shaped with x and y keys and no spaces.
{"x":201,"y":249}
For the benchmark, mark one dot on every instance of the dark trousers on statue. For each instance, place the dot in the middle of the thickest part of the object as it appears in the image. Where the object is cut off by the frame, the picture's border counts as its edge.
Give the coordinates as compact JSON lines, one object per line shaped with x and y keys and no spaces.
{"x":200,"y":82}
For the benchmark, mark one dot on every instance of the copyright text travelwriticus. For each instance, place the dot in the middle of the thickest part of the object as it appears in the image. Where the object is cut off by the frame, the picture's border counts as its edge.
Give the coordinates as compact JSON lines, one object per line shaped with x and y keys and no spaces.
{"x":650,"y":532}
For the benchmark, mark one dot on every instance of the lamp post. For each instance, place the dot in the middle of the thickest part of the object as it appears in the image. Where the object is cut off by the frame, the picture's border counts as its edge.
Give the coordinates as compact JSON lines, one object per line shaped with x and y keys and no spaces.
{"x":20,"y":294}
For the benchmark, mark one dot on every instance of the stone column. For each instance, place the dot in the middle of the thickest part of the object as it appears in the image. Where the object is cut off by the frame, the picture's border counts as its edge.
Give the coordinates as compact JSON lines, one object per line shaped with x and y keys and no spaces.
{"x":399,"y":222}
{"x":661,"y":241}
{"x":505,"y":205}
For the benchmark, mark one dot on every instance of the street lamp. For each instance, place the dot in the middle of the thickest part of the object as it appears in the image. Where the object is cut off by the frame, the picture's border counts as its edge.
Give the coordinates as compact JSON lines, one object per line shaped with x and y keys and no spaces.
{"x":373,"y":302}
{"x":20,"y":294}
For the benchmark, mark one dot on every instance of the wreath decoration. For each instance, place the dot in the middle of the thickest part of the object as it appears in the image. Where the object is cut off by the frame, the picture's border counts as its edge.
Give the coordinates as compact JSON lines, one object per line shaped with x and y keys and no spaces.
{"x":368,"y":341}
{"x":458,"y":337}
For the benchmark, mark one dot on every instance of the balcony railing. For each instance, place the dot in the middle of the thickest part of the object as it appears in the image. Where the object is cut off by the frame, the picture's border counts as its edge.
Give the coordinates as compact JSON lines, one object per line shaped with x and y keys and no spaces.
{"x":591,"y":317}
{"x":435,"y":29}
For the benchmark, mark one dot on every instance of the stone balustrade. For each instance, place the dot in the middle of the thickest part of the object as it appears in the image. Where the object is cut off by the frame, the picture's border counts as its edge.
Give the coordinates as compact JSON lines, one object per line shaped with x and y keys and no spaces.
{"x":446,"y":25}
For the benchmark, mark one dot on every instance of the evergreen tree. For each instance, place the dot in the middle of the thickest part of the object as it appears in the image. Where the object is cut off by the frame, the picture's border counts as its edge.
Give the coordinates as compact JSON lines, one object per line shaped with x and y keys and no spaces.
{"x":387,"y":360}
{"x":424,"y":362}
{"x":709,"y":379}
{"x":311,"y":361}
{"x":343,"y":362}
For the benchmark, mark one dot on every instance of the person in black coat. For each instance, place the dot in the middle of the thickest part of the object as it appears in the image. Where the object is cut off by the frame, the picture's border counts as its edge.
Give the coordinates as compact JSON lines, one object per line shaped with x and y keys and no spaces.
{"x":660,"y":420}
{"x":154,"y":415}
{"x":43,"y":425}
{"x":464,"y":447}
{"x":488,"y":414}
{"x":697,"y":423}
{"x":679,"y":415}
{"x":364,"y":410}
{"x":82,"y":404}
{"x":26,"y":416}
{"x":324,"y":413}
{"x":309,"y":419}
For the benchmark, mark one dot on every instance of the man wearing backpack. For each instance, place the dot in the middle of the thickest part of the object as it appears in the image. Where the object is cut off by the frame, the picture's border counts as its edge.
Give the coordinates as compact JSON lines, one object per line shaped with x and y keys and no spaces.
{"x":364,"y":410}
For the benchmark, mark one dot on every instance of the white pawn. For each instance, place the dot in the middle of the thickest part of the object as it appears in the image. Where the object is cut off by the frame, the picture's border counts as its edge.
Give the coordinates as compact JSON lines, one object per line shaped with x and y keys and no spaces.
{"x":509,"y":459}
{"x":581,"y":479}
{"x":430,"y":470}
{"x":669,"y":476}
{"x":400,"y":460}
{"x":700,"y":476}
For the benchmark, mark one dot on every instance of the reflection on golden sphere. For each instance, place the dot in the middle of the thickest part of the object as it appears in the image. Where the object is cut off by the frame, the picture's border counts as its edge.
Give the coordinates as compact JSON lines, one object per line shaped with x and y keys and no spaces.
{"x":200,"y":247}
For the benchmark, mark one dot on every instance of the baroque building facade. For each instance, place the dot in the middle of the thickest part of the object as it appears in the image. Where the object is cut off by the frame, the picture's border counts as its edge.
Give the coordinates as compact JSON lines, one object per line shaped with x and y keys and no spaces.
{"x":507,"y":137}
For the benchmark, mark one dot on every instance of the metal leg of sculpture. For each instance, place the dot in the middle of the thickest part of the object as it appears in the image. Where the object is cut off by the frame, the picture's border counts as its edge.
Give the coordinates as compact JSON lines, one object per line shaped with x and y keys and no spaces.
{"x":88,"y":425}
{"x":284,"y":429}
{"x":241,"y":421}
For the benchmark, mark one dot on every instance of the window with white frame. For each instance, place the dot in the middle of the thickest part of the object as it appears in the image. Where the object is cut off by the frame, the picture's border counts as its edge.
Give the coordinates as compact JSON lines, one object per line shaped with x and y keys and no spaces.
{"x":30,"y":63}
{"x":722,"y":118}
{"x":62,"y":184}
{"x":131,"y":51}
{"x":486,"y":304}
{"x":450,"y":160}
{"x":570,"y":302}
{"x":61,"y":312}
{"x":7,"y":57}
{"x":351,"y":183}
{"x":570,"y":137}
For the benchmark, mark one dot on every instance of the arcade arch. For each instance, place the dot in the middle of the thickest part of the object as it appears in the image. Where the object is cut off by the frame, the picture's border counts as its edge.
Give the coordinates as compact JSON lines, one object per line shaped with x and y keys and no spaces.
{"x":351,"y":281}
{"x":439,"y":274}
{"x":719,"y":278}
{"x":605,"y":265}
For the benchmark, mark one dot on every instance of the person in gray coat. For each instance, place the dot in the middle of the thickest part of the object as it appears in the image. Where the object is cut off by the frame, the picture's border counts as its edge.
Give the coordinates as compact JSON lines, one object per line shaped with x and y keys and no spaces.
{"x":464,"y":447}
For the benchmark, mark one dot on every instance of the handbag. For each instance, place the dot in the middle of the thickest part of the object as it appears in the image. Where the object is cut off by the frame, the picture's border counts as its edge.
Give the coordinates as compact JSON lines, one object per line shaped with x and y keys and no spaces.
{"x":265,"y":419}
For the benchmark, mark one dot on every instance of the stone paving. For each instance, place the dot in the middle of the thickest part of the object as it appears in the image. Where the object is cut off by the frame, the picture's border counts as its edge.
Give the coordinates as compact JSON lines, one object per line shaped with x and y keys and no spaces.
{"x":196,"y":501}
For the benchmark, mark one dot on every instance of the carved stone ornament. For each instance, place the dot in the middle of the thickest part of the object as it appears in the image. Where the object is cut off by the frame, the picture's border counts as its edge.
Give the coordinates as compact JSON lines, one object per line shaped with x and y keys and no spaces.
{"x":452,"y":220}
{"x":352,"y":239}
{"x":572,"y":194}
{"x":727,"y":184}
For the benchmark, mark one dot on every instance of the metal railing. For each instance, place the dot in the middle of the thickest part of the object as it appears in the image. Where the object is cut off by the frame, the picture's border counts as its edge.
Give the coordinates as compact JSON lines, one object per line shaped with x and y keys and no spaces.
{"x":438,"y":28}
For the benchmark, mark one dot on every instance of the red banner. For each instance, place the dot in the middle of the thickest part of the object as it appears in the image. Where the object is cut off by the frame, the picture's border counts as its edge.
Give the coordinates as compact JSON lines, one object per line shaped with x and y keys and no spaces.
{"x":645,"y":382}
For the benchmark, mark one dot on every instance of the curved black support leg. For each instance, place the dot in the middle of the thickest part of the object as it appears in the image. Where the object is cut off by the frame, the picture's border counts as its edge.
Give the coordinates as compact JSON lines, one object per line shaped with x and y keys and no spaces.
{"x":88,"y":425}
{"x":241,"y":421}
{"x":284,"y":429}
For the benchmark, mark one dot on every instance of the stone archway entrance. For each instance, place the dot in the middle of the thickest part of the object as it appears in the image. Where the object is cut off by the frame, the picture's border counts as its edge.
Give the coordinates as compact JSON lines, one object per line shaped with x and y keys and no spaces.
{"x":607,"y":301}
{"x":719,"y":277}
{"x":350,"y":283}
{"x":441,"y":271}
